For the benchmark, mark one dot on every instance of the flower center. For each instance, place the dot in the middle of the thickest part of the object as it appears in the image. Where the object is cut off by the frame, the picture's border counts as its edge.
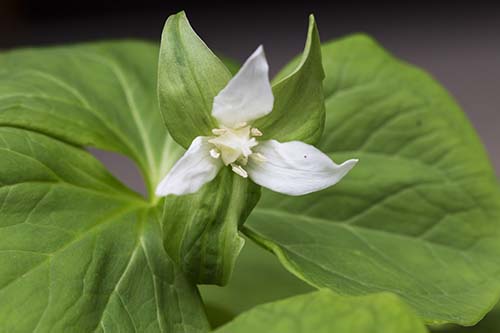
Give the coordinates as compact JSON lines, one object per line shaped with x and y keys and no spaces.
{"x":234,"y":146}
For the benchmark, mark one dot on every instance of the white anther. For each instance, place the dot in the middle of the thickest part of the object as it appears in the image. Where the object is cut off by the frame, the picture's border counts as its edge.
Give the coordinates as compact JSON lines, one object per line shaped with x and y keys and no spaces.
{"x":258,"y":157}
{"x":237,"y":169}
{"x":240,"y":125}
{"x":214,"y":153}
{"x":219,"y":131}
{"x":255,"y":132}
{"x":243,"y":160}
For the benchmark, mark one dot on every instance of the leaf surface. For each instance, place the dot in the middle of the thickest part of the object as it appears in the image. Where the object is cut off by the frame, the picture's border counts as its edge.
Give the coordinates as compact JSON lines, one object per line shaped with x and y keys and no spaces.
{"x":206,"y":242}
{"x":80,"y":252}
{"x":101,"y":95}
{"x":258,"y":278}
{"x":299,"y":108}
{"x":190,"y":75}
{"x":418,"y":216}
{"x":325,"y":312}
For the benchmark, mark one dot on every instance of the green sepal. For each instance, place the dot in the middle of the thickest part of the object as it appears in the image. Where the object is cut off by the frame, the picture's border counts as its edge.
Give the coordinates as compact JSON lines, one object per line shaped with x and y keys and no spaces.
{"x":299,"y":108}
{"x":202,"y":228}
{"x":190,"y":75}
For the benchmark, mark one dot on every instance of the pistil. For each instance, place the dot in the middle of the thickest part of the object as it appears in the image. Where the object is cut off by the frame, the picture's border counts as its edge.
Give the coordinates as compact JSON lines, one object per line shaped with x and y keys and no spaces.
{"x":234,"y":146}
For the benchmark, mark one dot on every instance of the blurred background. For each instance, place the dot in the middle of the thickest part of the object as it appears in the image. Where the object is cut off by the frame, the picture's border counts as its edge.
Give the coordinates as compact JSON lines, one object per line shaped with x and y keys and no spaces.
{"x":458,"y":43}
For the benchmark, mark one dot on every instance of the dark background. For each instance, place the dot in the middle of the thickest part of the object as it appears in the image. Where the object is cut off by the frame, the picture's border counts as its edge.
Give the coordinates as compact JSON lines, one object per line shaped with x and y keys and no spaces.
{"x":458,"y":43}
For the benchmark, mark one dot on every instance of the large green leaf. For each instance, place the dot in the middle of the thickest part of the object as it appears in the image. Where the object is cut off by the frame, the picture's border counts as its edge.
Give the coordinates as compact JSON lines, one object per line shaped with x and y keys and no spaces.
{"x":325,"y":312}
{"x":101,"y":95}
{"x":489,"y":324}
{"x":418,"y":216}
{"x":78,"y":250}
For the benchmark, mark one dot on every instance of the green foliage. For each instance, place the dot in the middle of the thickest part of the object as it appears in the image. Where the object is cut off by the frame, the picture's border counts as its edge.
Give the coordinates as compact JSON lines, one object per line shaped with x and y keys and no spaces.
{"x":299,"y":108}
{"x":201,"y":229}
{"x":101,"y":95}
{"x":189,"y":77}
{"x":206,"y":242}
{"x":80,"y":252}
{"x":325,"y":312}
{"x":420,"y":213}
{"x":489,"y":324}
{"x":258,"y":278}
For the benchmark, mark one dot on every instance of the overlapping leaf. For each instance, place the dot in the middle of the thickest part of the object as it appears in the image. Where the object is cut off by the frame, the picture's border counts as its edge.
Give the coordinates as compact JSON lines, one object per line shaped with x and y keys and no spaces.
{"x":79,"y":251}
{"x":325,"y":312}
{"x":258,"y":278}
{"x":101,"y":95}
{"x":420,"y":213}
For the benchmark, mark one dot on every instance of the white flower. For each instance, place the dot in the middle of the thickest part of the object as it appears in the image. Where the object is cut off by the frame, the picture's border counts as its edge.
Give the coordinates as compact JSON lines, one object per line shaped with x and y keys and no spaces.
{"x":293,"y":168}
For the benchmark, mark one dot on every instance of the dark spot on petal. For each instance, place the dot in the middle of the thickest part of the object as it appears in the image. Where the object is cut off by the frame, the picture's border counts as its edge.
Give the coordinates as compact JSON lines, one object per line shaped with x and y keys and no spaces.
{"x":305,"y":156}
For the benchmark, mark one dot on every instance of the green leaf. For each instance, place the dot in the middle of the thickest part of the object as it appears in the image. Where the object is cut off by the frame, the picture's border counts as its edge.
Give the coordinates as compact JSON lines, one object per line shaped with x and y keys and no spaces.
{"x":189,"y":77}
{"x":258,"y":278}
{"x":490,"y":323}
{"x":299,"y":110}
{"x":101,"y":95}
{"x":418,"y":216}
{"x":325,"y":312}
{"x":203,"y":227}
{"x":78,"y":250}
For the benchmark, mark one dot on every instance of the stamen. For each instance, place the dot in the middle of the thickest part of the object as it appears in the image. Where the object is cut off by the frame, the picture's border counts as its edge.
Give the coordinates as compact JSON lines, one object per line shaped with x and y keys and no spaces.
{"x":243,"y":160}
{"x":214,"y":153}
{"x":219,"y":131}
{"x":252,"y":143}
{"x":246,"y":151}
{"x":240,"y":125}
{"x":258,"y":157}
{"x":237,"y":169}
{"x":255,"y":132}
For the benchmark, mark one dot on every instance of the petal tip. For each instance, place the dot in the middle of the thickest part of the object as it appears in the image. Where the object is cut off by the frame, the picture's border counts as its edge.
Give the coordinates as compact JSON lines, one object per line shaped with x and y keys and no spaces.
{"x":258,"y":52}
{"x":349,"y":164}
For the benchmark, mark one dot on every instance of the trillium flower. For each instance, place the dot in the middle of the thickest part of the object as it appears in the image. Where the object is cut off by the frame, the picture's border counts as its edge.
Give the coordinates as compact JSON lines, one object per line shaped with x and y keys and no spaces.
{"x":293,"y":168}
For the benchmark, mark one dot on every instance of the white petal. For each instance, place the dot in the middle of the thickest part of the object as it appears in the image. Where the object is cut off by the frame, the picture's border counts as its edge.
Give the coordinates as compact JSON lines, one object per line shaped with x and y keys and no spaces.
{"x":194,"y":169}
{"x":248,"y":96}
{"x":295,"y":168}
